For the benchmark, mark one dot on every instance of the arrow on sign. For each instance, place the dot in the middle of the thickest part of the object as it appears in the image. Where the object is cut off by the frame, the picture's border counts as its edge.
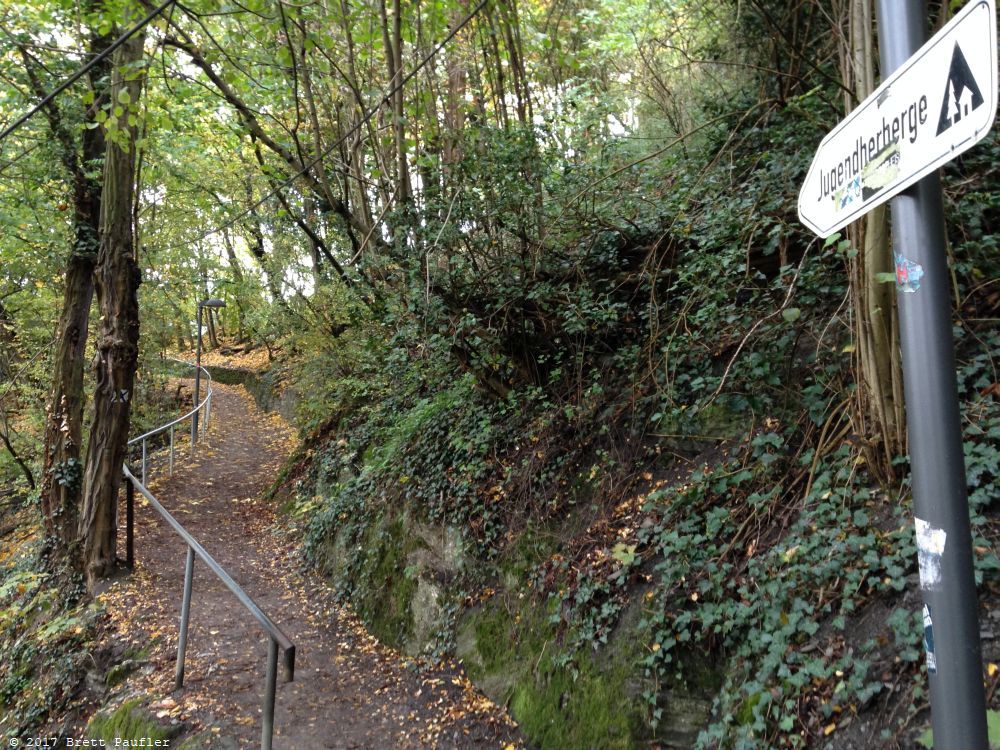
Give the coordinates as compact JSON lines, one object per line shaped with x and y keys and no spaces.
{"x":939,"y":103}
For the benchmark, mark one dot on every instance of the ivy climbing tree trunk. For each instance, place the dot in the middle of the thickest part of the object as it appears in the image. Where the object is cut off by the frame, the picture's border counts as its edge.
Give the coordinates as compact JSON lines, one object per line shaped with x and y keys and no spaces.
{"x":61,"y":478}
{"x":62,"y":469}
{"x":117,"y":280}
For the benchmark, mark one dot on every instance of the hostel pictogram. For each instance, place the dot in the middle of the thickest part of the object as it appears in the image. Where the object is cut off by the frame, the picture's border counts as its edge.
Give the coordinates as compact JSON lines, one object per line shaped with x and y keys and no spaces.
{"x":962,"y":95}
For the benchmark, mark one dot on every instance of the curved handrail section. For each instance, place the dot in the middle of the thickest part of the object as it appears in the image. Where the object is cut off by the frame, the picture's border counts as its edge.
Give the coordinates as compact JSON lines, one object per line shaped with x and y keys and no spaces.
{"x":277,"y":638}
{"x":203,"y":405}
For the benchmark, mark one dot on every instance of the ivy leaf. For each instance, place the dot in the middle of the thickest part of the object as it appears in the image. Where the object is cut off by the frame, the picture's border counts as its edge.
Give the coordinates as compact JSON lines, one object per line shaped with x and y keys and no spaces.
{"x":791,"y":314}
{"x":624,"y":553}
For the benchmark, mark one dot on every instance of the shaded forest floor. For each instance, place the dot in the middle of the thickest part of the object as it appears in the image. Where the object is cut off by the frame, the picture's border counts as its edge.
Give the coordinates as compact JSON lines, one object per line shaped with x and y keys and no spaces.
{"x":349,"y":691}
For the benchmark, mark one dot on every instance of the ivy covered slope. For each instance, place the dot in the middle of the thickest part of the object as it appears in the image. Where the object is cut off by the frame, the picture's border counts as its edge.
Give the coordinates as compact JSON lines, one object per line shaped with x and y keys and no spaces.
{"x":628,"y":485}
{"x":585,"y":407}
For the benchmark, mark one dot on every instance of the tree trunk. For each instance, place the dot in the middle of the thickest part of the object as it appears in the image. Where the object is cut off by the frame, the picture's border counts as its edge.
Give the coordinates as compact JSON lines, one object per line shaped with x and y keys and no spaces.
{"x":62,"y":470}
{"x":234,"y":265}
{"x":878,"y":413}
{"x":392,"y":40}
{"x":117,"y":280}
{"x":213,"y":336}
{"x":398,"y":112}
{"x":8,"y":356}
{"x":5,"y":439}
{"x":61,"y":478}
{"x":7,"y":341}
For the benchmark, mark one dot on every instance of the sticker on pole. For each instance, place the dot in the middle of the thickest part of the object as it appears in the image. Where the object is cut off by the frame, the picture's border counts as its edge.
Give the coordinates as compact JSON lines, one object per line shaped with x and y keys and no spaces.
{"x":939,"y":103}
{"x":930,"y":548}
{"x":929,"y":640}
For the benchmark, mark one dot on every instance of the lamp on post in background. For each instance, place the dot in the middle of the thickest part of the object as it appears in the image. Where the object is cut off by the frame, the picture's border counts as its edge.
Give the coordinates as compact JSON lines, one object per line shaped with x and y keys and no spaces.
{"x":210,"y":302}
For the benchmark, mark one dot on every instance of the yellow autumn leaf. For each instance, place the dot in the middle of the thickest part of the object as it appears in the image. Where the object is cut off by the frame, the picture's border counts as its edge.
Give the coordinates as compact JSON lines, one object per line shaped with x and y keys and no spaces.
{"x":829,"y":728}
{"x":991,"y":669}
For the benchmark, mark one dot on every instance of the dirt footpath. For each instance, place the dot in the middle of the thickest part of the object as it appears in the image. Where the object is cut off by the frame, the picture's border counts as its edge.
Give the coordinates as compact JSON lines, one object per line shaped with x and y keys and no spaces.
{"x":349,"y":690}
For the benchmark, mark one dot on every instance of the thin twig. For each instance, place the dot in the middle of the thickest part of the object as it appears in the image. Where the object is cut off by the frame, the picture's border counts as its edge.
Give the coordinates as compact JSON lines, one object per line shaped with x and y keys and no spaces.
{"x":758,"y":324}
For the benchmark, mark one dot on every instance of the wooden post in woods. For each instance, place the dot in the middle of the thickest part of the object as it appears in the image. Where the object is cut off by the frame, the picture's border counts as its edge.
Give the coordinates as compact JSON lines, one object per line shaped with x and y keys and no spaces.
{"x":117,"y":279}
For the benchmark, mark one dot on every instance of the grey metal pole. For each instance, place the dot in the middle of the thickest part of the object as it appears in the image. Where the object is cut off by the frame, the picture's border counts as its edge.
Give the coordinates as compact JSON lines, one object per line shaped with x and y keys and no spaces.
{"x":197,"y":385}
{"x":144,"y":463}
{"x":171,"y":451}
{"x":129,"y":524}
{"x":185,"y":616}
{"x":267,"y":728}
{"x":940,"y":502}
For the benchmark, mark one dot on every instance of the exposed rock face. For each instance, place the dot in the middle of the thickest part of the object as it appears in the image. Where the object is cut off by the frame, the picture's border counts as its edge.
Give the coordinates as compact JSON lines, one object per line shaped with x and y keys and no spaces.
{"x":403,"y":577}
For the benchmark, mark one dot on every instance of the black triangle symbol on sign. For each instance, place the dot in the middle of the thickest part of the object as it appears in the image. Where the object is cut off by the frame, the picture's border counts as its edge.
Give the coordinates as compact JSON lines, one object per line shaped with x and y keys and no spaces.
{"x":962,"y":94}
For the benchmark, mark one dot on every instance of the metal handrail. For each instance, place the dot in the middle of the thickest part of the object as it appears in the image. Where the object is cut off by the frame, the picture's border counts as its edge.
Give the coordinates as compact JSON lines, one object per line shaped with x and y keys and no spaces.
{"x":162,"y":427}
{"x":206,"y":404}
{"x":277,"y":639}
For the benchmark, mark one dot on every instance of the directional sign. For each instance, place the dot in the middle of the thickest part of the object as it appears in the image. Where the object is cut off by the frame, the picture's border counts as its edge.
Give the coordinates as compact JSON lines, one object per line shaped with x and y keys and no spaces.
{"x":939,"y":103}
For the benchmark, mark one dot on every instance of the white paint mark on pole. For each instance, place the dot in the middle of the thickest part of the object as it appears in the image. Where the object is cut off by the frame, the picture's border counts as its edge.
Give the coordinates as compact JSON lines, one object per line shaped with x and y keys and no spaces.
{"x":930,"y":547}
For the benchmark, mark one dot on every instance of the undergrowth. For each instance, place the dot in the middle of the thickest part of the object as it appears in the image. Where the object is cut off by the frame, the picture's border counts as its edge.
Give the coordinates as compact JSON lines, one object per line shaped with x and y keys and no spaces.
{"x":46,"y":631}
{"x":659,"y":416}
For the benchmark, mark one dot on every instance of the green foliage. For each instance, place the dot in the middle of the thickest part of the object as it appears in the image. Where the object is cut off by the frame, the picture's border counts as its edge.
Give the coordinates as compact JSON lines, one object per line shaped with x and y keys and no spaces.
{"x":710,"y":317}
{"x":44,"y":632}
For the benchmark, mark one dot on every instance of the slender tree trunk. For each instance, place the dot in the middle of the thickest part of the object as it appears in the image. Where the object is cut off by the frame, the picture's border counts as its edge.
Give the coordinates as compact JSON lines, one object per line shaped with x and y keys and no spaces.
{"x":18,"y":459}
{"x":405,"y":191}
{"x":309,"y":217}
{"x":454,"y":117}
{"x":7,"y":341}
{"x":213,"y":336}
{"x":393,"y":42}
{"x":255,"y":242}
{"x":8,"y":356}
{"x":355,"y":145}
{"x":237,"y":269}
{"x":117,"y":280}
{"x":878,"y":413}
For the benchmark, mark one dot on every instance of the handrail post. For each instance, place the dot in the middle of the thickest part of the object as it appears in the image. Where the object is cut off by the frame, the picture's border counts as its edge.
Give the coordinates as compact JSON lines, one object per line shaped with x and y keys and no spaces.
{"x":267,"y":729}
{"x":197,"y":384}
{"x":171,"y":450}
{"x":144,"y":461}
{"x":129,"y":524}
{"x":185,"y":616}
{"x":204,"y":422}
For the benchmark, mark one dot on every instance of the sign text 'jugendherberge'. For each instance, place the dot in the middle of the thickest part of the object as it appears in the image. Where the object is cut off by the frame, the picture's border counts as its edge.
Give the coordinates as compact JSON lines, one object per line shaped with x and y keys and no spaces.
{"x":935,"y":106}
